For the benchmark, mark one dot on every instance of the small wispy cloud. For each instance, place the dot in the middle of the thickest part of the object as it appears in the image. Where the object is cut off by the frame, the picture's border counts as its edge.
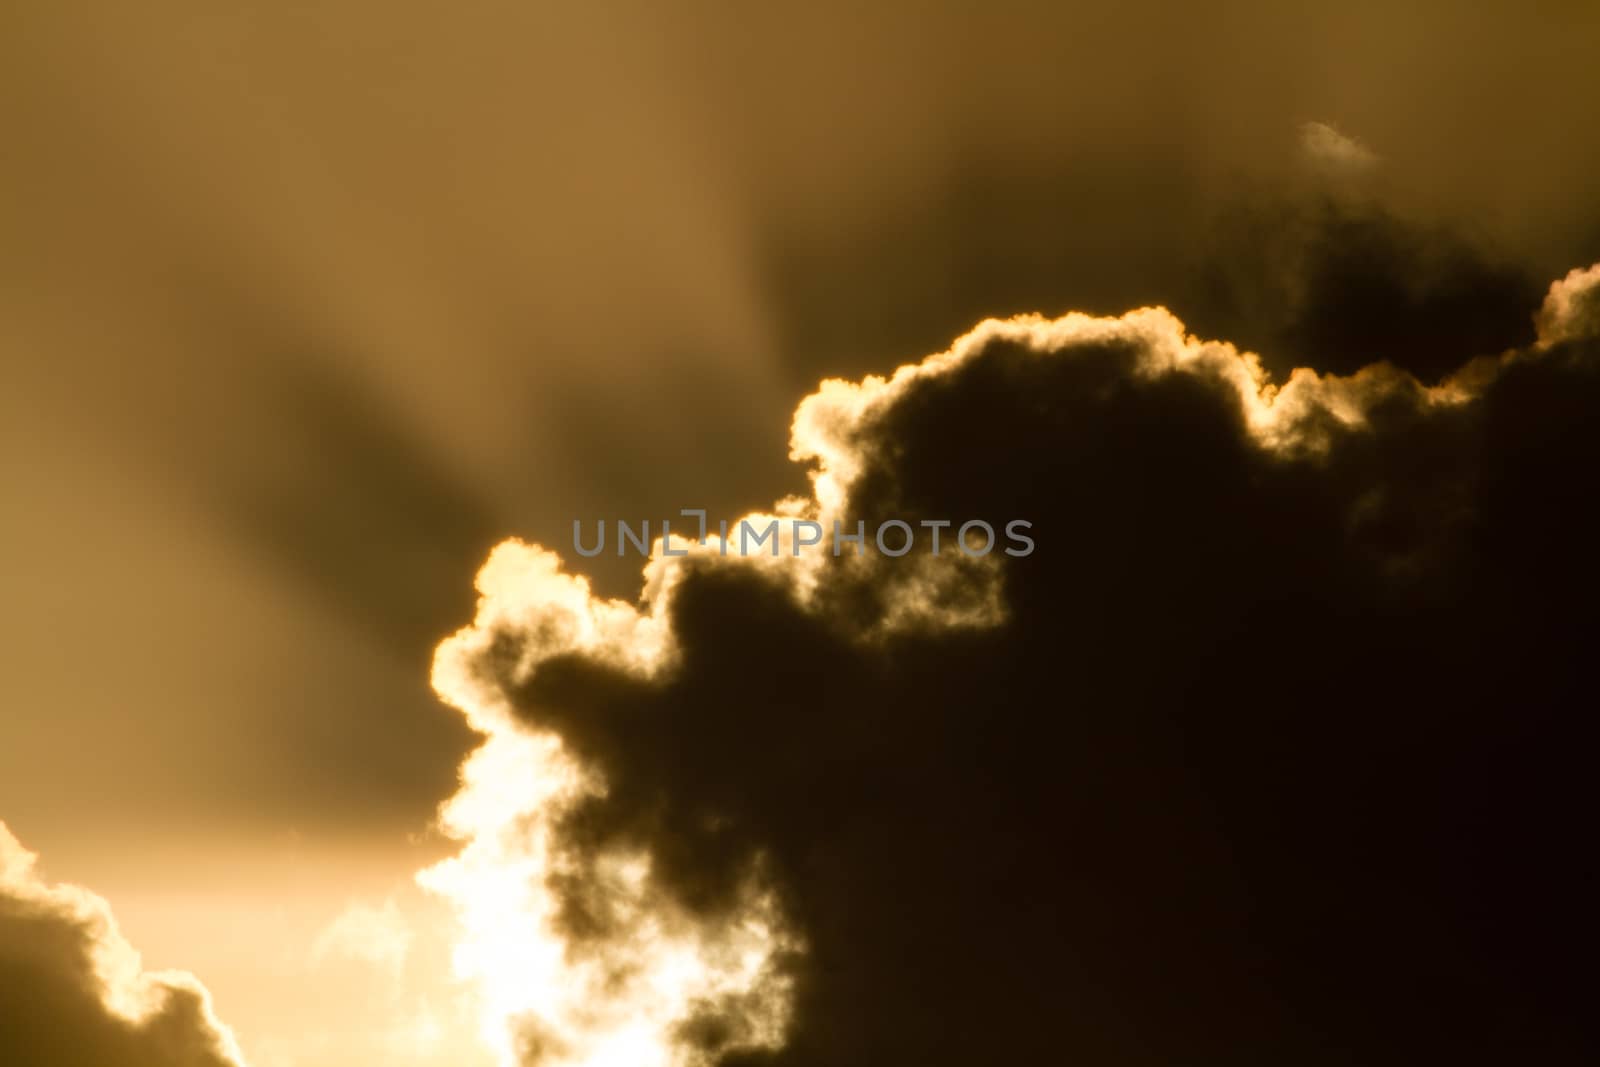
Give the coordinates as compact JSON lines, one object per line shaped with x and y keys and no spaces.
{"x":1331,"y":149}
{"x":371,"y":934}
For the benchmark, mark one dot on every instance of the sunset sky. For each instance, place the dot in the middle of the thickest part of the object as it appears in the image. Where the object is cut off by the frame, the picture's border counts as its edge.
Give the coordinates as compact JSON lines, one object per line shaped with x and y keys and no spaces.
{"x":321,"y":324}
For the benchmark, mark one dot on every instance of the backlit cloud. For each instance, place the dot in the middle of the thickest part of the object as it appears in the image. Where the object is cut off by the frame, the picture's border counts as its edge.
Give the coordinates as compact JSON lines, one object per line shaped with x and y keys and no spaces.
{"x":74,"y":992}
{"x":1202,"y":778}
{"x":1334,"y":150}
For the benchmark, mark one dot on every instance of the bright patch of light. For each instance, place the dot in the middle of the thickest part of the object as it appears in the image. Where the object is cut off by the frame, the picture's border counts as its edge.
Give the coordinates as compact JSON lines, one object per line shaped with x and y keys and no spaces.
{"x":618,"y":999}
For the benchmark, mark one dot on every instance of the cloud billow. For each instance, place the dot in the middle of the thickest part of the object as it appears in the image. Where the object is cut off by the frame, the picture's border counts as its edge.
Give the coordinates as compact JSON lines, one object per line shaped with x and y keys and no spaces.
{"x":73,"y":992}
{"x":1273,"y":751}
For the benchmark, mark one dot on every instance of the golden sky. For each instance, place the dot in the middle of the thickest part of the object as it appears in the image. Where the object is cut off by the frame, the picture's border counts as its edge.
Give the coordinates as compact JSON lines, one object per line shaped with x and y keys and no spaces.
{"x":304,"y":308}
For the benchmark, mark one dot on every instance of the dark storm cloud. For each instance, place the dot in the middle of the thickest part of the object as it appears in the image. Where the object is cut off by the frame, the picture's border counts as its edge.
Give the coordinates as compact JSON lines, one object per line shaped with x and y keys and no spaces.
{"x":1277,"y":755}
{"x":72,"y":991}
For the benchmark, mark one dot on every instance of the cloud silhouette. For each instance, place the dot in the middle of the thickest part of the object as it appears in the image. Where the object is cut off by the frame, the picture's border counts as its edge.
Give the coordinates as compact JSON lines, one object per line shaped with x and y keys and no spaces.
{"x":73,"y":992}
{"x":1274,"y":751}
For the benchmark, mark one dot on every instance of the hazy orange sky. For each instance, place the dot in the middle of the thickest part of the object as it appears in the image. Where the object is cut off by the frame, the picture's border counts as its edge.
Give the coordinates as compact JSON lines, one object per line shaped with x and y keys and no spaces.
{"x":305,"y":307}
